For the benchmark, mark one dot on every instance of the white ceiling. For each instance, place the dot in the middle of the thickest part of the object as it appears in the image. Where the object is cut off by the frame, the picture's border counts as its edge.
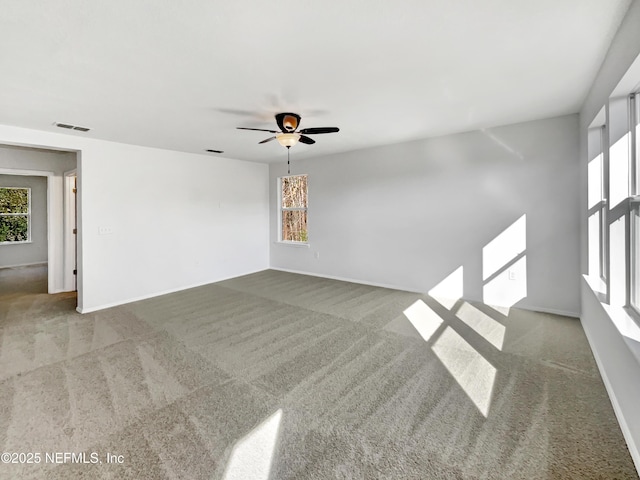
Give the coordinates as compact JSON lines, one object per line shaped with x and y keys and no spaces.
{"x":183,"y":75}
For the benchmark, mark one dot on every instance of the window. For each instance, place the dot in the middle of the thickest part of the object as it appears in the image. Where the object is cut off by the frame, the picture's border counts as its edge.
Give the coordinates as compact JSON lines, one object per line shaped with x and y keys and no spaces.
{"x":15,"y":215}
{"x":293,"y":209}
{"x":597,"y":194}
{"x":597,"y":188}
{"x":613,"y":202}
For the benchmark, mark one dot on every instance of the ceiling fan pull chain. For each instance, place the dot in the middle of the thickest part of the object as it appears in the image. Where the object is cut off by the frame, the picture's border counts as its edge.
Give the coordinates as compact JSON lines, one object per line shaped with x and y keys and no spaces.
{"x":288,"y":163}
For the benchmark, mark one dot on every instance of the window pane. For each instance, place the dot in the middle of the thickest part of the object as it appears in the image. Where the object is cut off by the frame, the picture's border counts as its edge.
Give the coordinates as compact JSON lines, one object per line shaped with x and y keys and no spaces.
{"x":619,"y":170}
{"x":636,"y":117}
{"x":294,"y":226}
{"x":635,"y":255}
{"x":14,"y":200}
{"x":594,"y":244}
{"x":594,"y":184}
{"x":14,"y":229}
{"x":294,"y":192}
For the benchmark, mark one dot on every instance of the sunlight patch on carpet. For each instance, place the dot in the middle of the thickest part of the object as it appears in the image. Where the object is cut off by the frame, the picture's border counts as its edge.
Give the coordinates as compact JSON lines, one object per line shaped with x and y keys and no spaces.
{"x":485,"y":326}
{"x":423,"y":319}
{"x":252,"y":455}
{"x":471,"y":370}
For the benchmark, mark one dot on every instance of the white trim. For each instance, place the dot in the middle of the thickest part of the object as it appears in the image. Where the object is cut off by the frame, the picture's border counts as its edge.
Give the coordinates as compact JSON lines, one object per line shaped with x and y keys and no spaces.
{"x":350,"y":280}
{"x":293,"y":244}
{"x":28,"y":173}
{"x":552,"y":311}
{"x":618,"y":361}
{"x":19,"y":265}
{"x":633,"y":247}
{"x":164,"y":292}
{"x":626,"y":432}
{"x":69,"y":279}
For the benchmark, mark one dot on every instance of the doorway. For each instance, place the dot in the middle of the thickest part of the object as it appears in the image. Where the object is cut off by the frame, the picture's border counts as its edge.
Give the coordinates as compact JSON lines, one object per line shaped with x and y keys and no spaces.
{"x":58,"y":167}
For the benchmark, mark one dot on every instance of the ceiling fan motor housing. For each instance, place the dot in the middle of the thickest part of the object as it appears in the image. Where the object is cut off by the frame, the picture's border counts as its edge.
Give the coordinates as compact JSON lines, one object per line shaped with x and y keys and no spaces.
{"x":287,"y":122}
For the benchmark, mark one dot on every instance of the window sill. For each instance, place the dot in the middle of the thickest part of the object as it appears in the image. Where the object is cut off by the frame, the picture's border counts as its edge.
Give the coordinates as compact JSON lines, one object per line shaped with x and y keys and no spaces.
{"x":596,"y":284}
{"x":624,"y":320}
{"x":294,"y":244}
{"x":627,"y":326}
{"x":15,"y":243}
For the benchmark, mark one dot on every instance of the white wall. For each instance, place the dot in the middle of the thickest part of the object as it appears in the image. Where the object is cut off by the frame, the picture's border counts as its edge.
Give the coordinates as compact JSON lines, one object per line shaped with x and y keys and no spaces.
{"x":618,"y":364}
{"x":26,"y":160}
{"x":177,"y":219}
{"x":410,"y":214}
{"x":35,"y":251}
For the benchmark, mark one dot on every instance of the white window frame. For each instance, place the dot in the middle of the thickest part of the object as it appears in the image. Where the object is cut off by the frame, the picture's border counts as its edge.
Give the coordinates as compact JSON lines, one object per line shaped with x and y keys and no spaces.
{"x":633,"y":279}
{"x":604,"y":205}
{"x":28,"y":215}
{"x":282,"y":209}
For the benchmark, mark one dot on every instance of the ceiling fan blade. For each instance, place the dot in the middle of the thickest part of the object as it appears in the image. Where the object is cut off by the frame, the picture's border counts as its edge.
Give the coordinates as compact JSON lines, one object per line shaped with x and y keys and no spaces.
{"x":267,"y":140}
{"x":307,"y":140}
{"x":317,"y":130}
{"x":256,"y":129}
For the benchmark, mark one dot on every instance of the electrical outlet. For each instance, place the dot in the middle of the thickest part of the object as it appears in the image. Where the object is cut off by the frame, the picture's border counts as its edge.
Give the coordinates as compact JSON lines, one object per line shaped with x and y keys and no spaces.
{"x":317,"y":255}
{"x":512,"y":274}
{"x":105,"y":230}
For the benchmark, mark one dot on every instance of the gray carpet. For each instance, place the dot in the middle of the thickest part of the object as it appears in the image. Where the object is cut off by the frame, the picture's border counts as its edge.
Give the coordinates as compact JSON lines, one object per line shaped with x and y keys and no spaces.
{"x":283,"y":376}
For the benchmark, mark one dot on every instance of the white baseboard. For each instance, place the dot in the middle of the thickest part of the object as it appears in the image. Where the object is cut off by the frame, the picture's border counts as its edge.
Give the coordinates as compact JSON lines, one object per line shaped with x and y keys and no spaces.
{"x":350,"y":280}
{"x":158,"y":294}
{"x":552,"y":311}
{"x":634,"y":451}
{"x":413,"y":290}
{"x":25,"y":265}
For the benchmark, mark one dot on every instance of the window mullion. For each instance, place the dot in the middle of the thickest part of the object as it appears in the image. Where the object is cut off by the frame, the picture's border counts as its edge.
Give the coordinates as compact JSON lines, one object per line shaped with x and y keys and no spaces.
{"x":604,"y":215}
{"x":635,"y":152}
{"x":632,"y":146}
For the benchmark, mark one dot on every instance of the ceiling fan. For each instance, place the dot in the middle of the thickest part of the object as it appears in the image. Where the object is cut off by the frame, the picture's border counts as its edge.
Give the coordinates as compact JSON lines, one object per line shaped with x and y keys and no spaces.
{"x":288,"y":136}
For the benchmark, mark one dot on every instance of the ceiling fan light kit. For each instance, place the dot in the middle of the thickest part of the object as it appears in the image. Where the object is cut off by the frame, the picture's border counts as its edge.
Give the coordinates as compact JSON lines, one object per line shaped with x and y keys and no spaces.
{"x":287,"y":139}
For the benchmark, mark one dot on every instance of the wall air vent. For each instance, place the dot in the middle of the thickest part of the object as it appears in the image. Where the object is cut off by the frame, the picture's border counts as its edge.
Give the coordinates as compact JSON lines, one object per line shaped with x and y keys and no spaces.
{"x":215,"y":151}
{"x":71,"y":127}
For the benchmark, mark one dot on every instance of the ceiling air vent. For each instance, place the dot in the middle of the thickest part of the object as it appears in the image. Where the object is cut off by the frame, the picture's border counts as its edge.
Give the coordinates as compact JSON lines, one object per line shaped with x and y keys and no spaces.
{"x":71,"y":127}
{"x":215,"y":151}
